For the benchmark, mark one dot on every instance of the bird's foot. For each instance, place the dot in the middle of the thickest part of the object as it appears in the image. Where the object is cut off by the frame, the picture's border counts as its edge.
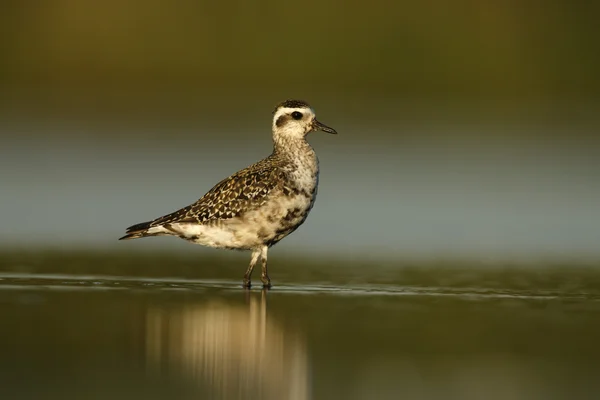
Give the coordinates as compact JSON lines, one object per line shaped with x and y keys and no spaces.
{"x":246,"y":284}
{"x":266,"y":281}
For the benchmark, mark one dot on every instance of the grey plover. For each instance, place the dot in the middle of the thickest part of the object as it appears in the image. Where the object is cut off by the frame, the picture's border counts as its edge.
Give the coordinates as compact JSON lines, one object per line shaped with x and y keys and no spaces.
{"x":258,"y":206}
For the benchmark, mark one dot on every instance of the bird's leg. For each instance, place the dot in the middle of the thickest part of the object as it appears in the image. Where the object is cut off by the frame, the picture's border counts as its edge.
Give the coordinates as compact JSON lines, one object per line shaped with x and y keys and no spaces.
{"x":253,"y":260}
{"x":264,"y":276}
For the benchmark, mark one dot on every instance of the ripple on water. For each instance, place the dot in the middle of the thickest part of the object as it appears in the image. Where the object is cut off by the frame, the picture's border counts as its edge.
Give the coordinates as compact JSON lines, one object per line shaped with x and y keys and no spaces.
{"x":68,"y":282}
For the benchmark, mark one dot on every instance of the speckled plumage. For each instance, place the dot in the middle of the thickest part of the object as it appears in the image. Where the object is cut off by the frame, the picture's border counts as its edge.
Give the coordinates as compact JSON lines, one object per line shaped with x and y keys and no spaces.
{"x":258,"y":206}
{"x":230,"y":198}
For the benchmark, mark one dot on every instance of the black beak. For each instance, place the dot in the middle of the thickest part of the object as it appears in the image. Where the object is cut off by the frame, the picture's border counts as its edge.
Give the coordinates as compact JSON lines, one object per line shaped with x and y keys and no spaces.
{"x":317,"y":126}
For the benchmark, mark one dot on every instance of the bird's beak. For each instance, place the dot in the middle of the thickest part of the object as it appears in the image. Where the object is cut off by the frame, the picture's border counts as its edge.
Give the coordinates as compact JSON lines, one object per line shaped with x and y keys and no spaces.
{"x":317,"y":126}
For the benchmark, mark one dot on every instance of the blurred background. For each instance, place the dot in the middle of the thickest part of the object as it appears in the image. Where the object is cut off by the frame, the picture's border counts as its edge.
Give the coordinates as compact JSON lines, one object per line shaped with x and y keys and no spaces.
{"x":466,"y":130}
{"x":468,"y":151}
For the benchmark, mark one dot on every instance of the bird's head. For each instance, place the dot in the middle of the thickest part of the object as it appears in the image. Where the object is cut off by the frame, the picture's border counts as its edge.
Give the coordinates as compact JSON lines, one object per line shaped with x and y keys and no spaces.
{"x":294,"y":119}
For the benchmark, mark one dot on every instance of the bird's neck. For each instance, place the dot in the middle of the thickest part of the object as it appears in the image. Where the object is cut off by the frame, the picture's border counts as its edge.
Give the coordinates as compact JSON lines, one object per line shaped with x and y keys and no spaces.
{"x":297,"y":151}
{"x":301,"y":163}
{"x":292,"y":146}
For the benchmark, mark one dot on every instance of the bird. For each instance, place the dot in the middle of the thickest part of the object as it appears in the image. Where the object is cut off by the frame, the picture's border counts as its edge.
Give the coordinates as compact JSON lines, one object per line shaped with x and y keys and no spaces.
{"x":258,"y":206}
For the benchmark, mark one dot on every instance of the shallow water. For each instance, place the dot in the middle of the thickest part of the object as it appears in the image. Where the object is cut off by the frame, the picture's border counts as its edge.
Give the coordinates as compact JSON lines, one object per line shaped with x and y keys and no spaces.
{"x":429,"y":333}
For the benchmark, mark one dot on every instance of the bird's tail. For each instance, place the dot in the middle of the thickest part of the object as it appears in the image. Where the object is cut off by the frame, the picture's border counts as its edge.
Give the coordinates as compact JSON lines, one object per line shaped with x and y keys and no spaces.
{"x":137,"y":231}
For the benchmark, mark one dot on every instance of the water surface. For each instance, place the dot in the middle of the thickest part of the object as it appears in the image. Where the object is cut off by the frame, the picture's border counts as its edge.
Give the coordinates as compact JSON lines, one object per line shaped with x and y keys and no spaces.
{"x":434,"y":332}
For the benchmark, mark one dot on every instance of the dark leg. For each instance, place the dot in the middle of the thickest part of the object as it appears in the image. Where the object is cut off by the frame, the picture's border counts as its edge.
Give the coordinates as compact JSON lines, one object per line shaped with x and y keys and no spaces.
{"x":247,"y":283}
{"x":264,"y":276}
{"x":248,"y":274}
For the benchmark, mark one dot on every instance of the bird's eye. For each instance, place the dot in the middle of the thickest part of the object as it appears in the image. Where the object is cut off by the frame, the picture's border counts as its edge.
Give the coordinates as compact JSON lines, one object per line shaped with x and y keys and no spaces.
{"x":297,"y":115}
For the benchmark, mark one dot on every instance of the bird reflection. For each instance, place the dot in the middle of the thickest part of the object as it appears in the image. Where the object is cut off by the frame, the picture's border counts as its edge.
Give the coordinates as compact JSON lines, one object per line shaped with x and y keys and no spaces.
{"x":236,"y":351}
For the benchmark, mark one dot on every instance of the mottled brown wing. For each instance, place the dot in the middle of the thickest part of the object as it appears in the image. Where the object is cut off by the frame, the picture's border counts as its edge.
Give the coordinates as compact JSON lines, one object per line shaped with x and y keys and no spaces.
{"x":247,"y":189}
